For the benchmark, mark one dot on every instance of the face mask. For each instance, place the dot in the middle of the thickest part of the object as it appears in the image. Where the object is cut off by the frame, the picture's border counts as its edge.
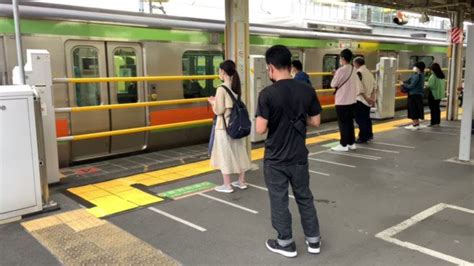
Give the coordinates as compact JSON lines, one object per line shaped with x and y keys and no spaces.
{"x":415,"y":69}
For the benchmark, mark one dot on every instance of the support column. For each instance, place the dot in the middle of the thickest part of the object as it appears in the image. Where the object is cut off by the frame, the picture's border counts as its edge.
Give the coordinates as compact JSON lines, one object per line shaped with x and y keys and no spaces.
{"x":455,"y":69}
{"x":468,"y":102}
{"x":237,"y":43}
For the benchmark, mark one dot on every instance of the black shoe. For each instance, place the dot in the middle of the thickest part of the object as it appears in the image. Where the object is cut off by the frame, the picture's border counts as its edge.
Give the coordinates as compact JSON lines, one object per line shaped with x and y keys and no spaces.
{"x":359,"y":141}
{"x":288,"y":251}
{"x":314,"y":248}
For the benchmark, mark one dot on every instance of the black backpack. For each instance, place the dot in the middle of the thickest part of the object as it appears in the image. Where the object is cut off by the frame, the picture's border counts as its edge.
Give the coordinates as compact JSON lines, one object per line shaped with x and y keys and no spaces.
{"x":239,"y":122}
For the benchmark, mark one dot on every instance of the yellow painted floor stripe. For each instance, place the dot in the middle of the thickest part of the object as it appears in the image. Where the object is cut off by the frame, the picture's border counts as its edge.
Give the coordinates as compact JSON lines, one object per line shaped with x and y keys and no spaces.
{"x":118,"y":195}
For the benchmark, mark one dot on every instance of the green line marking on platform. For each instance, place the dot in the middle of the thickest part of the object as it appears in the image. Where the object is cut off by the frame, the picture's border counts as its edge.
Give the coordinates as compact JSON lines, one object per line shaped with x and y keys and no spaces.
{"x":192,"y":189}
{"x":331,"y":144}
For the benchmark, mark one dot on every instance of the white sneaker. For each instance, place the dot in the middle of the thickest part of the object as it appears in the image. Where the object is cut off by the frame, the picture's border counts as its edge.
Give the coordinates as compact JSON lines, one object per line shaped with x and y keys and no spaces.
{"x":223,"y":189}
{"x":412,"y":127}
{"x":340,"y":148}
{"x":352,"y":147}
{"x":239,"y":185}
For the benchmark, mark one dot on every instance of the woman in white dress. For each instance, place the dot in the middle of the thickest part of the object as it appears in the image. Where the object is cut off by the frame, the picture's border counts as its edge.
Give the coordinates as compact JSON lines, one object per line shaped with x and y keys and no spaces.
{"x":227,"y":154}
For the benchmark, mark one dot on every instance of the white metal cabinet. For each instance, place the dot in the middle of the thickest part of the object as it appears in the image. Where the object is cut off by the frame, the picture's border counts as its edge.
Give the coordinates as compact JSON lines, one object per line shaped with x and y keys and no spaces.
{"x":20,"y":189}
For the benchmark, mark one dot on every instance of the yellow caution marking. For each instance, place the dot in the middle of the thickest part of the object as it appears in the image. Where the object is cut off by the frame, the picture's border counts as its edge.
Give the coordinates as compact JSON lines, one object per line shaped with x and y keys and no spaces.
{"x":42,"y":223}
{"x":118,"y":195}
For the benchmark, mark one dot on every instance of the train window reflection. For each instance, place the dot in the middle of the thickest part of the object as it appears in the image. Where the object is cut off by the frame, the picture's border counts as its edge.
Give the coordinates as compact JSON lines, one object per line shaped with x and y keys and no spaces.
{"x":330,"y":63}
{"x":200,"y":63}
{"x":125,"y":65}
{"x":86,"y":65}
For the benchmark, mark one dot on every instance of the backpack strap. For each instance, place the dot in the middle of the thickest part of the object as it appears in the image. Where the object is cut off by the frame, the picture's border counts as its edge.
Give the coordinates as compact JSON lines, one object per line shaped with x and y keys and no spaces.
{"x":234,"y":101}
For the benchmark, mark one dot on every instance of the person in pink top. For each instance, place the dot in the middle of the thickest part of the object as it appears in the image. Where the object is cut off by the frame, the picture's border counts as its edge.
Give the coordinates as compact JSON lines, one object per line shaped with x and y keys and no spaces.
{"x":344,"y":82}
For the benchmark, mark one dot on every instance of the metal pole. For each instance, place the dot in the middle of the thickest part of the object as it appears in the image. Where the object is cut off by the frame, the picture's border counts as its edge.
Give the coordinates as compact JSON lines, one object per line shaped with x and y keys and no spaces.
{"x":468,"y":102}
{"x":455,"y":70}
{"x":19,"y":47}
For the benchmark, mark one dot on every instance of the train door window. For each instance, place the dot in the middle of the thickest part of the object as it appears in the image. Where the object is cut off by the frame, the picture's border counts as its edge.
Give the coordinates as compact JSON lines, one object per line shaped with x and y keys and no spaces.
{"x":200,"y":63}
{"x":125,"y":65}
{"x":86,"y":65}
{"x":428,"y":60}
{"x":330,"y":63}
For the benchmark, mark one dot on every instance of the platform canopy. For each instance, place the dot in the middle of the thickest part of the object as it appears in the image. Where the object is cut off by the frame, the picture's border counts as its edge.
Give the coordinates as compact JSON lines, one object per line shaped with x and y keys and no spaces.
{"x":439,"y":8}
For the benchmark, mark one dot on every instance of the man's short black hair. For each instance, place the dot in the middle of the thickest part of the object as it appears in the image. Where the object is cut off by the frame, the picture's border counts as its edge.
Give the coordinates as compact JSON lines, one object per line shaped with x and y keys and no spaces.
{"x":420,"y":65}
{"x":347,"y":55}
{"x":297,"y":64}
{"x":359,"y":60}
{"x":279,"y":56}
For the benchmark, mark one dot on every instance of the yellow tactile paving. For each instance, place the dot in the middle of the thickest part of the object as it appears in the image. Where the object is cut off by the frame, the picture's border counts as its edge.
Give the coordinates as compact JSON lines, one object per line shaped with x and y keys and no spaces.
{"x":73,"y":215}
{"x":85,"y":223}
{"x":117,"y":195}
{"x":41,"y":223}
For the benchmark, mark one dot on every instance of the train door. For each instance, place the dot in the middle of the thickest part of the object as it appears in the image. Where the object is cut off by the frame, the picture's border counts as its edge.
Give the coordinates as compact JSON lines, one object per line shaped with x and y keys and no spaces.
{"x":87,"y":59}
{"x":125,"y":60}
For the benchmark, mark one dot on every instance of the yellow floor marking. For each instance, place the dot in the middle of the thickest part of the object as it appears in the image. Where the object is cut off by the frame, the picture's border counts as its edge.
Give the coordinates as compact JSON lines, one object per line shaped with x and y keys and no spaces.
{"x":42,"y":223}
{"x":83,"y":189}
{"x":117,"y":195}
{"x":94,"y":194}
{"x":78,"y":238}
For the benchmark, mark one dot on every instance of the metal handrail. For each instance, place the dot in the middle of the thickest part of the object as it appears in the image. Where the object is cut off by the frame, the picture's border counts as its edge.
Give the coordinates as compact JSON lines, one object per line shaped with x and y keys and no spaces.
{"x":127,"y":105}
{"x":145,"y":129}
{"x":120,"y":79}
{"x":134,"y":130}
{"x":140,"y":104}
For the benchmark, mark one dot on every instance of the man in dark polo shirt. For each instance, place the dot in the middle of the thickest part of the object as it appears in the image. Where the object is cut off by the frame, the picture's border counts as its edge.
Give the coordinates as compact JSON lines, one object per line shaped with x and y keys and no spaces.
{"x":284,"y":110}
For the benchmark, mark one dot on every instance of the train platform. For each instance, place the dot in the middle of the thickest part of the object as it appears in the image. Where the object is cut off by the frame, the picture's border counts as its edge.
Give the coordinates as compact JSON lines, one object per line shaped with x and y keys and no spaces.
{"x":400,"y":200}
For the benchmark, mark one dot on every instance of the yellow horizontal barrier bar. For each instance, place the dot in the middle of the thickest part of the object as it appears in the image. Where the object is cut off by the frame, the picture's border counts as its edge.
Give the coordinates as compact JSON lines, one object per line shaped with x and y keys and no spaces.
{"x":143,"y":104}
{"x":134,"y":130}
{"x":319,"y":73}
{"x":128,"y":105}
{"x":119,"y":79}
{"x":144,"y":129}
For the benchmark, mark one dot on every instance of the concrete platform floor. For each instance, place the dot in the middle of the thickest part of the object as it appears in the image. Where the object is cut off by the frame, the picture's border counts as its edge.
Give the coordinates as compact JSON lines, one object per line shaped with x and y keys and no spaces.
{"x":396,"y":201}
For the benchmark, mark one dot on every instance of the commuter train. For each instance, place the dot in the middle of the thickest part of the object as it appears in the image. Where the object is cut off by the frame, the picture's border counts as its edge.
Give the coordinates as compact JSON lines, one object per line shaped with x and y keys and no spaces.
{"x":96,"y":43}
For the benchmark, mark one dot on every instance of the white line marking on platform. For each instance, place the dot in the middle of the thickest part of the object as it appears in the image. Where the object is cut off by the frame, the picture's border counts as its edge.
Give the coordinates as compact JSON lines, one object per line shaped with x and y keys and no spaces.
{"x":318,"y":152}
{"x":388,"y":233}
{"x":319,"y":173}
{"x":374,"y":149}
{"x":394,"y":145}
{"x":228,"y":203}
{"x":434,"y":132}
{"x":322,"y":131}
{"x":331,"y":162}
{"x":197,"y":227}
{"x":266,"y":189}
{"x":355,"y":155}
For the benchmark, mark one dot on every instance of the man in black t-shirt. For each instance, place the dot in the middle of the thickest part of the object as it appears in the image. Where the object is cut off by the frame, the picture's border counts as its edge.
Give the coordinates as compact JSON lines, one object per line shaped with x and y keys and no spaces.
{"x":284,"y":110}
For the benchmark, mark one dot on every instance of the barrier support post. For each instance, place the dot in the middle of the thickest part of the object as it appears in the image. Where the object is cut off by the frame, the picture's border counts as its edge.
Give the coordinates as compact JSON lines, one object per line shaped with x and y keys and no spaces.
{"x":38,"y":75}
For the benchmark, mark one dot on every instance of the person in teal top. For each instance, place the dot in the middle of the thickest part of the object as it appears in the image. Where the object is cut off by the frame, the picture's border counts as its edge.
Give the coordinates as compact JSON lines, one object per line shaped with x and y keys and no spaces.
{"x":437,"y":86}
{"x":414,"y":86}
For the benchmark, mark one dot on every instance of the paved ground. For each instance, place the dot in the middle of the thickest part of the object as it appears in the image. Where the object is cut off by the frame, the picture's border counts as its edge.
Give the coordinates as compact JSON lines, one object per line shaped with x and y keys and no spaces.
{"x":361,"y":197}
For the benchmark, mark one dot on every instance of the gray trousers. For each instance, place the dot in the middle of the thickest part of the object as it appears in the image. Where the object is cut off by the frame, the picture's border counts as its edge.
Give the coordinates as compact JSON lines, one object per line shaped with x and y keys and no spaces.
{"x":277,"y":178}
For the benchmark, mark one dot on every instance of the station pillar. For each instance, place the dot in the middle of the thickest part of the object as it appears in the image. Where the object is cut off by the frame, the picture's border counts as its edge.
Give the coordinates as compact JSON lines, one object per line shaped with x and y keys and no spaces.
{"x":236,"y":42}
{"x":468,"y":101}
{"x":455,"y":65}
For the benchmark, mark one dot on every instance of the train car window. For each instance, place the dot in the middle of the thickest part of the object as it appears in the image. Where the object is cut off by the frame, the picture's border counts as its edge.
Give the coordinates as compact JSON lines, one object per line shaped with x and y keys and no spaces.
{"x":86,"y":65}
{"x":330,"y":63}
{"x":200,"y":63}
{"x":428,"y":60}
{"x":125,"y":65}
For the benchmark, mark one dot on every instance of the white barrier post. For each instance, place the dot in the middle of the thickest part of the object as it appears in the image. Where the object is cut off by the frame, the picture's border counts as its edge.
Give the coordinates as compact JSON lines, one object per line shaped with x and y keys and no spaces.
{"x":38,"y":75}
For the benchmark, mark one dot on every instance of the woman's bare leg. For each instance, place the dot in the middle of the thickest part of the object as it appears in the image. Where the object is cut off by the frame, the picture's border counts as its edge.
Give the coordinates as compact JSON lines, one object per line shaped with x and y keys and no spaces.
{"x":227,"y":180}
{"x":242,"y":178}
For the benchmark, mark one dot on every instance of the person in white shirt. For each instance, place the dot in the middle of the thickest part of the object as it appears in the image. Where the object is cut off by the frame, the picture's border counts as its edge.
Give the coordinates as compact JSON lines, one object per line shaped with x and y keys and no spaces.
{"x":366,"y":93}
